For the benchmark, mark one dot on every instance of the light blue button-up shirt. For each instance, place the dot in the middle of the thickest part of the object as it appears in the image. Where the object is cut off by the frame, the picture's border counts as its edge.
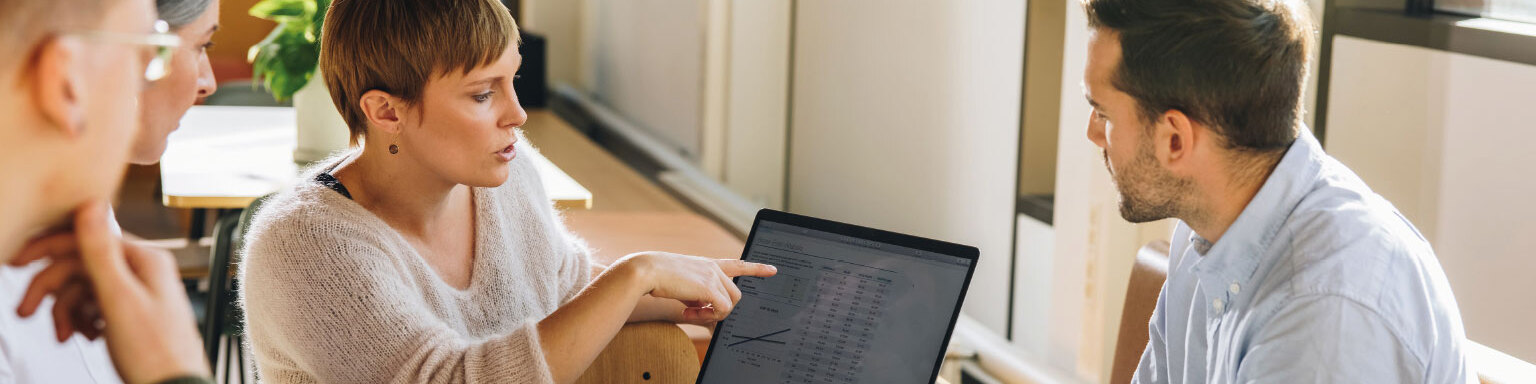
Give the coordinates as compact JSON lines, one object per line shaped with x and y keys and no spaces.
{"x":1320,"y":280}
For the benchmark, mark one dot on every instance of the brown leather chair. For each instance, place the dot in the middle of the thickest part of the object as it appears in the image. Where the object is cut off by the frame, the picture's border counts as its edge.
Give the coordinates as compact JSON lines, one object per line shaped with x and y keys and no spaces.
{"x":648,"y":353}
{"x":1140,"y":299}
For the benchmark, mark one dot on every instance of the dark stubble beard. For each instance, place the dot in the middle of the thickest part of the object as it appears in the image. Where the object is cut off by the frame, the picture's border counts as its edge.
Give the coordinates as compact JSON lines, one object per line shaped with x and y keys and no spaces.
{"x":1148,"y":192}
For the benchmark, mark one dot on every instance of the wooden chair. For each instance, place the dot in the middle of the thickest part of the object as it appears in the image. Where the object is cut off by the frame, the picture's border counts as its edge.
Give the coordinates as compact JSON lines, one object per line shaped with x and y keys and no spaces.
{"x":1140,"y":299}
{"x":651,"y":352}
{"x":645,"y":353}
{"x":613,"y":234}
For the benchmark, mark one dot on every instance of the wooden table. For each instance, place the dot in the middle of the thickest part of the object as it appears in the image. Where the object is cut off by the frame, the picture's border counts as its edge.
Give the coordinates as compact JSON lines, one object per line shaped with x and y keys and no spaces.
{"x":226,"y":157}
{"x":621,"y":187}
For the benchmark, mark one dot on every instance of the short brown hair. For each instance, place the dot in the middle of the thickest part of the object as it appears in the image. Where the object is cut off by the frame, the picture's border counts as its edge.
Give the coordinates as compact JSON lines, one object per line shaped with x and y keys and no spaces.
{"x":396,"y":46}
{"x":1238,"y":66}
{"x":29,"y":21}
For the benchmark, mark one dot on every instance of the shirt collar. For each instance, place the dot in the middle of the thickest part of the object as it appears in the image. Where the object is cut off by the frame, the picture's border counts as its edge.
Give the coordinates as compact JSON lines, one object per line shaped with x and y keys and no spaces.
{"x":1234,"y":258}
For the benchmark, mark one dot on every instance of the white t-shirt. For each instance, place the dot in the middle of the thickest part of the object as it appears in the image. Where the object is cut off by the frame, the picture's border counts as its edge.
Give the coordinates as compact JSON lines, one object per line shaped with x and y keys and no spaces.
{"x":29,"y":353}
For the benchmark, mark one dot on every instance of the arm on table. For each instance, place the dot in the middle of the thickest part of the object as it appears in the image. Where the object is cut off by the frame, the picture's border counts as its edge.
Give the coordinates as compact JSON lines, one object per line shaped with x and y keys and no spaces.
{"x":650,"y":308}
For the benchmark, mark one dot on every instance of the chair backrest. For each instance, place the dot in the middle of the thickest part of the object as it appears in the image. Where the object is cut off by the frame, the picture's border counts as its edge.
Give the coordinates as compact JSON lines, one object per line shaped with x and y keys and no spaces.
{"x":215,"y":323}
{"x":244,"y":227}
{"x":1146,"y":283}
{"x":228,"y":242}
{"x":651,"y":353}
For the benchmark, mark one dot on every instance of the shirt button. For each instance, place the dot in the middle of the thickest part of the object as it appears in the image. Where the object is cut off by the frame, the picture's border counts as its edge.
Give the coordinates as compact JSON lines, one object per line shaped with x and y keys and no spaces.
{"x":1234,"y":288}
{"x":1217,"y":305}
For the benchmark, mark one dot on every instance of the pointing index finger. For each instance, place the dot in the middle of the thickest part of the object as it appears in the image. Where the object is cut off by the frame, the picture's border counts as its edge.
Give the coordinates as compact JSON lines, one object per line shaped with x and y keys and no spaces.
{"x":735,"y":268}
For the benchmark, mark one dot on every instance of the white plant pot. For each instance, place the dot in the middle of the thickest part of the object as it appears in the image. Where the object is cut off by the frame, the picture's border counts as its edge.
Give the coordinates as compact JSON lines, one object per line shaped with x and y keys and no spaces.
{"x":322,"y":131}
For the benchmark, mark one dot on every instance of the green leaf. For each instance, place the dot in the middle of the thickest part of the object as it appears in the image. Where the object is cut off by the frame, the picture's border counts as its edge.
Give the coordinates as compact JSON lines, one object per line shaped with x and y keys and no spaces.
{"x":284,"y":10}
{"x":321,"y":7}
{"x":285,"y":60}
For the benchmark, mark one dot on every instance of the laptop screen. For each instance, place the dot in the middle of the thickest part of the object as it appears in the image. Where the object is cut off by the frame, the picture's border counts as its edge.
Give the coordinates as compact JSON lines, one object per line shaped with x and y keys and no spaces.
{"x":843,"y":308}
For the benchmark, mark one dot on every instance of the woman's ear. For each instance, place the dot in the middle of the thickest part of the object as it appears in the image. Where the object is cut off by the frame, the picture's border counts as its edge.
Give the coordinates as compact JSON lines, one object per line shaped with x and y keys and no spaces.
{"x":55,"y":93}
{"x":383,"y":111}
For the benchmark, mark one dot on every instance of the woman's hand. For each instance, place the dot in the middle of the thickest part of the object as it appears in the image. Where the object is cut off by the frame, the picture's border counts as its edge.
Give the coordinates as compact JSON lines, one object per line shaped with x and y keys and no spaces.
{"x":128,"y":293}
{"x":703,"y":285}
{"x":577,"y":332}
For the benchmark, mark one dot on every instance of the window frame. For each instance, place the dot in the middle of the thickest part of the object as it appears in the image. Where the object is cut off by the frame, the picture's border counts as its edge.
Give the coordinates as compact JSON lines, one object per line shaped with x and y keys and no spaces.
{"x":1416,"y":23}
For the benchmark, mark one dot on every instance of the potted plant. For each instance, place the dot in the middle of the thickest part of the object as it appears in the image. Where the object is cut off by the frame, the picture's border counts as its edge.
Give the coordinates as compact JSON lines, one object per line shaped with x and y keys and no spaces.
{"x":285,"y":62}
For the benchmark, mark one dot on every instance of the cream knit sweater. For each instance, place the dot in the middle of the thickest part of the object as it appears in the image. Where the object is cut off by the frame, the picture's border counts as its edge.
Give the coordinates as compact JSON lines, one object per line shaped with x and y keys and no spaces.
{"x":332,"y":294}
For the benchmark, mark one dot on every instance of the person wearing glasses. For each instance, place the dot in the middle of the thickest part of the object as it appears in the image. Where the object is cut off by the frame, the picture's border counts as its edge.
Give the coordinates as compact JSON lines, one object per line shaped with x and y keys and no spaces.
{"x":72,"y":72}
{"x":190,"y":78}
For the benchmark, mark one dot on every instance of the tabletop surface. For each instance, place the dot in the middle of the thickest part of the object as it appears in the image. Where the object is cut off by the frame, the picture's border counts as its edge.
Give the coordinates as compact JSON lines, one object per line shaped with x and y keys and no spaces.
{"x":226,"y":157}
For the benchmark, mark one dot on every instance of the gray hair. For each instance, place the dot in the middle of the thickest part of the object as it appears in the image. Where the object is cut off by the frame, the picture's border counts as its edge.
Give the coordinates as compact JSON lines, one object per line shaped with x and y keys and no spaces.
{"x":179,"y":13}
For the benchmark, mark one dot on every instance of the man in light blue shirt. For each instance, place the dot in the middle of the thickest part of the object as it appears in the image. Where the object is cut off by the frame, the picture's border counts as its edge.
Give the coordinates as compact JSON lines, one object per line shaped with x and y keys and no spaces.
{"x":1285,"y":267}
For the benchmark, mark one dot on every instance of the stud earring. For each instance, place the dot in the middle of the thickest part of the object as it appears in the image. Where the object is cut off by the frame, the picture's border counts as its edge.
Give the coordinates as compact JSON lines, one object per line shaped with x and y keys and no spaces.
{"x":394,"y":149}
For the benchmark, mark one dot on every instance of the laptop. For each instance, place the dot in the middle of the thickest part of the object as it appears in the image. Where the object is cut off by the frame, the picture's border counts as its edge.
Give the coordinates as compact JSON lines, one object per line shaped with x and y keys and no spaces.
{"x":849,"y":305}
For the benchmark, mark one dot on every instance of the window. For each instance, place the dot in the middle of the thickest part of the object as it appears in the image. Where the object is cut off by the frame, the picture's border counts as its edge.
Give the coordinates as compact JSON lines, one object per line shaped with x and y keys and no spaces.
{"x":1512,"y":10}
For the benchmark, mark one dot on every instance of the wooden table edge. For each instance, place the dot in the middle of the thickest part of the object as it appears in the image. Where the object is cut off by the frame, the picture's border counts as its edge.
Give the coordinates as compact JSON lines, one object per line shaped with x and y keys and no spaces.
{"x":231,"y":202}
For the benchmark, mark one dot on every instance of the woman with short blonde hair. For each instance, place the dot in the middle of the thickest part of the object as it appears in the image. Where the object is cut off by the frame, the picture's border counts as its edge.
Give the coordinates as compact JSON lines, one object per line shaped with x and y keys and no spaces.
{"x":430,"y":253}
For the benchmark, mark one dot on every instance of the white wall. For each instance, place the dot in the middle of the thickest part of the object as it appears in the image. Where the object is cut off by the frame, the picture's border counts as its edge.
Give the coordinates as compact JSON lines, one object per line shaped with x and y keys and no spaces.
{"x":757,"y":110}
{"x":559,"y":21}
{"x":1446,"y":137}
{"x":646,"y":60}
{"x":1032,"y":291}
{"x":1077,"y":177}
{"x":906,"y":117}
{"x":708,"y":79}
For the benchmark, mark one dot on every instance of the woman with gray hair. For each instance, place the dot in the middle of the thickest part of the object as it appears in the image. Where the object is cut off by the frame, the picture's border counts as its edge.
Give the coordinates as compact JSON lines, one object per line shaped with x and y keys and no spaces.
{"x":41,"y":349}
{"x":190,"y":78}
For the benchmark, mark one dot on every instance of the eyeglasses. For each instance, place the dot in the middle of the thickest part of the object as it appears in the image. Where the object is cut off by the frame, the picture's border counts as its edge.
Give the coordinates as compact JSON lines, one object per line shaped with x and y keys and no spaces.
{"x":163,"y":42}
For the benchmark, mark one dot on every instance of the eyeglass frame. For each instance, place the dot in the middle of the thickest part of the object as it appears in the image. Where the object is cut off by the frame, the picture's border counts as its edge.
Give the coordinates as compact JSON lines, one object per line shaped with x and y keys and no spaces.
{"x":162,"y":40}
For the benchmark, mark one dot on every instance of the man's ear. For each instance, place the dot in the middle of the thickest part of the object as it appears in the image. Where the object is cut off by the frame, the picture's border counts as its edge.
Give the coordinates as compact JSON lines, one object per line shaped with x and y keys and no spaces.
{"x":1174,"y":137}
{"x":383,"y":111}
{"x":54,"y":92}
